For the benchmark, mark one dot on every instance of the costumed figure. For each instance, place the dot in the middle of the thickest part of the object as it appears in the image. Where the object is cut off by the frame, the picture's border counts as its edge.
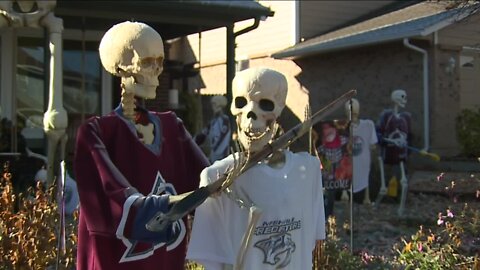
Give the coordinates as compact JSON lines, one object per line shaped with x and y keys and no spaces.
{"x":272,"y":215}
{"x":336,"y":160}
{"x":394,"y":132}
{"x":364,"y":140}
{"x":217,"y":133}
{"x":131,"y":163}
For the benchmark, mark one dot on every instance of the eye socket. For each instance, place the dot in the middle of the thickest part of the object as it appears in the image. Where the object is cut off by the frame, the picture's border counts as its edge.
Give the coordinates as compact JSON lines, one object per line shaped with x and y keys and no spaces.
{"x":266,"y":105}
{"x":240,"y":102}
{"x":147,"y":62}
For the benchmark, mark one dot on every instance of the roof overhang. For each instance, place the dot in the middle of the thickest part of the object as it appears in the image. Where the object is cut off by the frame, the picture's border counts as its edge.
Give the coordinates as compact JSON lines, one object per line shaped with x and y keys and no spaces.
{"x":171,"y":19}
{"x":375,"y":34}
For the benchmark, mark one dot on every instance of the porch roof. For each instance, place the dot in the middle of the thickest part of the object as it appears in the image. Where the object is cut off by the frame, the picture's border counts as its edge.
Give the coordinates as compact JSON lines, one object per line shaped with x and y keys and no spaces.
{"x":172,"y":19}
{"x":417,"y":20}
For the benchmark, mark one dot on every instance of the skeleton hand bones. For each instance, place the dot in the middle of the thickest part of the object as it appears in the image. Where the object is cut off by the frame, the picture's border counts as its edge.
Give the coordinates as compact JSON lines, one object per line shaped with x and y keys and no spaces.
{"x":400,"y":142}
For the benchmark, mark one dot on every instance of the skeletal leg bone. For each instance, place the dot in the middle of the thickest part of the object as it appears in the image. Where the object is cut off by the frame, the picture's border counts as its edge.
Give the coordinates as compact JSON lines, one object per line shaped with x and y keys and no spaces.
{"x":404,"y":183}
{"x":253,"y":217}
{"x":345,"y":196}
{"x":383,"y":187}
{"x":366,"y":198}
{"x":55,"y":138}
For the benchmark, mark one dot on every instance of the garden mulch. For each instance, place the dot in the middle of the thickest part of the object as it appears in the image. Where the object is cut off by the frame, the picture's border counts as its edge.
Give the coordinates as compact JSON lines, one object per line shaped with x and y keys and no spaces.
{"x":378,"y":230}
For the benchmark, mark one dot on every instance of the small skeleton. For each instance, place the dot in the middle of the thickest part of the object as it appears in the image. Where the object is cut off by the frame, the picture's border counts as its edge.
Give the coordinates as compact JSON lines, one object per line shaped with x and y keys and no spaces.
{"x":397,"y":138}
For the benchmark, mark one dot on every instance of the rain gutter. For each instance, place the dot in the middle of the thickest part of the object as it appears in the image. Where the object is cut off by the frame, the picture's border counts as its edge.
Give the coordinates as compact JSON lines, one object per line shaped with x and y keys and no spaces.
{"x":426,"y":97}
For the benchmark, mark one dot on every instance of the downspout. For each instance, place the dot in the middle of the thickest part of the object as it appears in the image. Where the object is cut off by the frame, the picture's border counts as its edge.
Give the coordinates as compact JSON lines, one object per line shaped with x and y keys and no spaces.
{"x":426,"y":97}
{"x":231,"y":36}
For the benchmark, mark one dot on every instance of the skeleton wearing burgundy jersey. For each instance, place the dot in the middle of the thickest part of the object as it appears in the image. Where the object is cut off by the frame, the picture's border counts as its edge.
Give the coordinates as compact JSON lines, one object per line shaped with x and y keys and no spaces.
{"x":131,"y":163}
{"x":394,"y":127}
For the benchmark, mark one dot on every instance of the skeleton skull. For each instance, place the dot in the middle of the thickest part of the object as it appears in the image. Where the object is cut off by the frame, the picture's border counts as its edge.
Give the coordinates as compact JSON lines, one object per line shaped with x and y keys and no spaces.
{"x":399,"y":97}
{"x":259,"y":96}
{"x":355,"y":109}
{"x":133,"y":51}
{"x":218,"y":104}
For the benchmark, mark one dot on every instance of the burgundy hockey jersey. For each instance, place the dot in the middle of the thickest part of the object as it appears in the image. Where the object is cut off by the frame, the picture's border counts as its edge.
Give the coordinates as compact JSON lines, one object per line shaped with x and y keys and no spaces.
{"x":123,"y":183}
{"x":394,"y":126}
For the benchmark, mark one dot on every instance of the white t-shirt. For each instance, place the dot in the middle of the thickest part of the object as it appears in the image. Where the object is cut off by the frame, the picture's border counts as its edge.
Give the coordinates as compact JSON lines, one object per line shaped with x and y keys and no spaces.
{"x":292,"y":219}
{"x":364,"y":136}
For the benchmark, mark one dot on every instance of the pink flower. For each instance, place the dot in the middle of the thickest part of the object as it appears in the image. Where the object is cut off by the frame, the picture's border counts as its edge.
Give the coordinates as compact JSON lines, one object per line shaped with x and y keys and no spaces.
{"x":419,"y":247}
{"x":440,"y":219}
{"x":440,"y":176}
{"x":449,"y":213}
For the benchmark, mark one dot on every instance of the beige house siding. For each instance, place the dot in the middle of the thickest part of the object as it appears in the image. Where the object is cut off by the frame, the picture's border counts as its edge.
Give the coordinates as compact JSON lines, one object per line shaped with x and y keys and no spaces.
{"x":464,"y":34}
{"x":273,"y":34}
{"x":318,"y":17}
{"x":469,"y":66}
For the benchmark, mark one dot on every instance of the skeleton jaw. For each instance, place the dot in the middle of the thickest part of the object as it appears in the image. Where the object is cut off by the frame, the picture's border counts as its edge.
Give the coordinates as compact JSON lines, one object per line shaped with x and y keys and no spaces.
{"x":141,"y":90}
{"x":254,"y":139}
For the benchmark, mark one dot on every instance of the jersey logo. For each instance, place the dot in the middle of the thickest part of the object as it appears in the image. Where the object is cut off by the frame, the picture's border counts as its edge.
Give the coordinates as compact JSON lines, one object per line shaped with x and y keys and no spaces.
{"x":161,"y":187}
{"x":277,"y":249}
{"x":136,"y":250}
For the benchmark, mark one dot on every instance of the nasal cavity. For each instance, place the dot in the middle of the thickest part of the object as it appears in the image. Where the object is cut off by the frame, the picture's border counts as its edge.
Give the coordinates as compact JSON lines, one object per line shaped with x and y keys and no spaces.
{"x":252,"y":115}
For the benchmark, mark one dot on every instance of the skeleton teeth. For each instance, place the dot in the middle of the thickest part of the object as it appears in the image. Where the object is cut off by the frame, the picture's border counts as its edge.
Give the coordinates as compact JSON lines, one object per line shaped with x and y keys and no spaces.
{"x":256,"y":135}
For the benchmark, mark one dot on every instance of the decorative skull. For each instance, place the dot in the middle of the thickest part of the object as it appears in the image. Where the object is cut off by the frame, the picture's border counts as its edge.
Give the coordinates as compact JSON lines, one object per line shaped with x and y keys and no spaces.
{"x":399,"y":97}
{"x":218,"y":104}
{"x":355,"y":108}
{"x":259,"y":96}
{"x":133,"y":51}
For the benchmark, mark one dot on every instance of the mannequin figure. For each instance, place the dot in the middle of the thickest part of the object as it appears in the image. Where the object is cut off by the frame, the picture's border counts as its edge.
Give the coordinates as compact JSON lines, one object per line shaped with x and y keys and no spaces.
{"x":130,"y":164}
{"x":394,"y":129}
{"x":272,"y":216}
{"x":364,"y":141}
{"x":218,"y":131}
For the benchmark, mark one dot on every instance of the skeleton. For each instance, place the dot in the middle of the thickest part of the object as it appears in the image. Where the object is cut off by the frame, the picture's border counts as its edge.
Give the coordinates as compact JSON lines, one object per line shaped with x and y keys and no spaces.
{"x":259,"y":97}
{"x":134,"y":52}
{"x":352,"y":109}
{"x":30,"y":13}
{"x":55,"y":120}
{"x":217,"y":133}
{"x":146,"y":176}
{"x":218,"y":104}
{"x":396,"y":138}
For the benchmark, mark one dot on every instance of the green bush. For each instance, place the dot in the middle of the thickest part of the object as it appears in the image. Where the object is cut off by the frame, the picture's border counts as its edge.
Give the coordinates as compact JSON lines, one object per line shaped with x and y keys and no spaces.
{"x":468,"y":131}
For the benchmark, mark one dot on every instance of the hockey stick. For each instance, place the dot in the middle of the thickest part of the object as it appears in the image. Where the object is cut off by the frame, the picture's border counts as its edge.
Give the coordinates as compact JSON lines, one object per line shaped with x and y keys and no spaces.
{"x":161,"y":221}
{"x":433,"y":156}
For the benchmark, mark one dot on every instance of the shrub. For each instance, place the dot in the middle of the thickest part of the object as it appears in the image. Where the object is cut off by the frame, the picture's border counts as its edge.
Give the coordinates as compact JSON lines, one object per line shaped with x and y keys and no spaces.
{"x":28,"y":229}
{"x":468,"y":132}
{"x":453,"y":245}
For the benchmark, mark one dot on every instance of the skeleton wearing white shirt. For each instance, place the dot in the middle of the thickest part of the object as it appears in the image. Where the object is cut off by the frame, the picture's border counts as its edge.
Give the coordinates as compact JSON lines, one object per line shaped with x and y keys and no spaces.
{"x":364,"y":140}
{"x":273,"y":213}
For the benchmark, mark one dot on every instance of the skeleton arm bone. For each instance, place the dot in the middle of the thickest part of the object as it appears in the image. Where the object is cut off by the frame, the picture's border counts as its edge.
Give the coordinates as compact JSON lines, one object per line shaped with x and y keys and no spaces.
{"x":185,"y":206}
{"x":400,"y":142}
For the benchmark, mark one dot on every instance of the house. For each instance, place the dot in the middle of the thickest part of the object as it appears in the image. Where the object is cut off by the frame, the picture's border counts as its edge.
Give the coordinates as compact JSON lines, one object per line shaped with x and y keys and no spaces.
{"x":428,"y":48}
{"x":29,"y":77}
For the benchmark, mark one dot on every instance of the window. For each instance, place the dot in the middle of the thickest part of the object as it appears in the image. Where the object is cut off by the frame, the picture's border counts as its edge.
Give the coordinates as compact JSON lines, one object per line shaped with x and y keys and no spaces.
{"x":81,"y":89}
